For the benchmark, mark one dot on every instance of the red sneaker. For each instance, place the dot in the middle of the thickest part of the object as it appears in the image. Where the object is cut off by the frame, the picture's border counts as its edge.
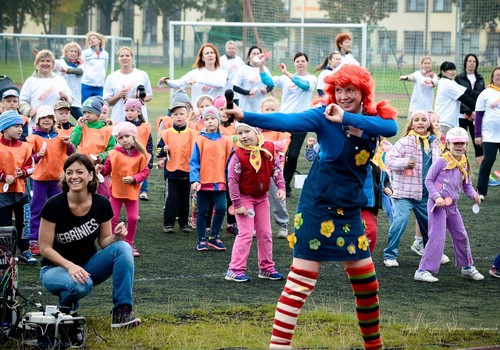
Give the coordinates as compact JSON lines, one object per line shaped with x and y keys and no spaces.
{"x":34,"y":248}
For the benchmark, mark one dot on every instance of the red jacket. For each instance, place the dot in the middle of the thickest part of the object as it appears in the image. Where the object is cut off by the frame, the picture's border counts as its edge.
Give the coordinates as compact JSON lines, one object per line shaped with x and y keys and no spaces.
{"x":254,"y":183}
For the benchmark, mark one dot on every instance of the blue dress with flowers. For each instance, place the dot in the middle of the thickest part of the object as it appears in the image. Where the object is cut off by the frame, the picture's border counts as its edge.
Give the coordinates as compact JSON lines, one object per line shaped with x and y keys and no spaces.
{"x":328,"y":223}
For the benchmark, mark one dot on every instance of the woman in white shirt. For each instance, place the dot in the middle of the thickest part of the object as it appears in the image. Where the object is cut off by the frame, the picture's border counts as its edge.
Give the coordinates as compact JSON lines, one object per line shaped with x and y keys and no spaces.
{"x":207,"y":77}
{"x":449,"y":95}
{"x":424,"y":81}
{"x":298,"y":90}
{"x":329,"y":66}
{"x":127,"y":82}
{"x":96,"y":65}
{"x":43,"y":88}
{"x":247,"y":82}
{"x":487,"y":129}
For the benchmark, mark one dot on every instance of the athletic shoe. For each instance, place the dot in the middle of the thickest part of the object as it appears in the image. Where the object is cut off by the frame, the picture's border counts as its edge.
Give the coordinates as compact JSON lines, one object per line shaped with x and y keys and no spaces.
{"x":216,"y":243}
{"x":168,"y":229}
{"x":186,"y":229}
{"x":445,"y":260}
{"x":232,"y":229}
{"x":135,"y":253}
{"x":271,"y":274}
{"x":481,"y":197}
{"x":122,"y":318}
{"x":391,"y":263}
{"x":34,"y":248}
{"x":143,"y":196}
{"x":283,"y":232}
{"x":418,"y":247}
{"x":192,"y":220}
{"x":236,"y":276}
{"x":472,"y":273}
{"x":492,"y":181}
{"x":494,"y":271}
{"x":424,"y":276}
{"x":202,"y":245}
{"x":27,"y":258}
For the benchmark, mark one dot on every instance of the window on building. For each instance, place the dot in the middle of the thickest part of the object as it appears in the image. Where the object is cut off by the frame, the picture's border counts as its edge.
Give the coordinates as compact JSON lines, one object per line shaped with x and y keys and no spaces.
{"x":442,"y":6}
{"x":390,"y":5}
{"x":470,"y":43}
{"x":415,"y":5}
{"x":440,"y":43}
{"x":387,"y":39}
{"x":149,"y":26}
{"x":414,"y":42}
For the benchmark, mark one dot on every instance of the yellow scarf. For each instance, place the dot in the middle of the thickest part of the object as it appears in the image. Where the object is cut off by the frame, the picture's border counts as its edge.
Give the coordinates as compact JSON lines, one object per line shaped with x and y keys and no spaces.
{"x":255,"y":159}
{"x":425,"y":138}
{"x":496,"y":88}
{"x":454,"y":163}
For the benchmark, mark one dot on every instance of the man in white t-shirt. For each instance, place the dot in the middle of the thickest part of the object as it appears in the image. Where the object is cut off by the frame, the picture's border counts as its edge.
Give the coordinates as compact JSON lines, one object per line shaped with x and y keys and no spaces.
{"x":230,"y":63}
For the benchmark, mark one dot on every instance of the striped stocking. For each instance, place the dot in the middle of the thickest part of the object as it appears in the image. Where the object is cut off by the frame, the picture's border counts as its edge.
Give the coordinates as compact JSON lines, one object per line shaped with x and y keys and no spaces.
{"x":364,"y":285}
{"x":299,"y":285}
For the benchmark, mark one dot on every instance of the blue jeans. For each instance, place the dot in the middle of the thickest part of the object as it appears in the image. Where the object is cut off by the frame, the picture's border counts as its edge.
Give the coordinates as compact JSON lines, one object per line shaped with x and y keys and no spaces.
{"x":89,"y":91}
{"x":203,"y":201}
{"x":116,"y":260}
{"x":145,"y":186}
{"x":401,"y":214}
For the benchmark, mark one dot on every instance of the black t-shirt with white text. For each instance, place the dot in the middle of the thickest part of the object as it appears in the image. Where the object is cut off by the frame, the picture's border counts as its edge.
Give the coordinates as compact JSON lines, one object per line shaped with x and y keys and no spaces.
{"x":75,"y":236}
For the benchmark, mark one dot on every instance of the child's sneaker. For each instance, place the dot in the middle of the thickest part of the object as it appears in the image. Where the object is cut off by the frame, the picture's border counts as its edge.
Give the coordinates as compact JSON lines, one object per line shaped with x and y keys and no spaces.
{"x":27,"y":258}
{"x":282,"y":232}
{"x":143,"y":196}
{"x":232,"y":229}
{"x":168,"y":229}
{"x":391,"y":263}
{"x":418,"y":247}
{"x":271,"y":274}
{"x":135,"y":253}
{"x":216,"y":243}
{"x":192,"y":220}
{"x":236,"y":276}
{"x":34,"y":248}
{"x":445,"y":260}
{"x":202,"y":245}
{"x":424,"y":276}
{"x":186,"y":229}
{"x":494,"y":271}
{"x":472,"y":273}
{"x":122,"y":318}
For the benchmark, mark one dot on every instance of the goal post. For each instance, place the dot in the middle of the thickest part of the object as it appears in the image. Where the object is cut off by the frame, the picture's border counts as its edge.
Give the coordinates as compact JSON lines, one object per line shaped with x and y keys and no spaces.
{"x":282,"y":40}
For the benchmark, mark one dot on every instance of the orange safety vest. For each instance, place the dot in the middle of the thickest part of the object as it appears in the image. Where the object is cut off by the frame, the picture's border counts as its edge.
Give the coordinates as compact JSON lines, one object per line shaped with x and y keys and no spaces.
{"x":180,"y":146}
{"x":123,"y":165}
{"x":10,"y":159}
{"x":143,"y":132}
{"x":213,"y":158}
{"x":50,"y":166}
{"x":94,"y":141}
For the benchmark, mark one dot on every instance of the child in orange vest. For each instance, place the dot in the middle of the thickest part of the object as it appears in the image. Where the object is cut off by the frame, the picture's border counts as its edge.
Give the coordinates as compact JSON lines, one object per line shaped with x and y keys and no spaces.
{"x":49,"y":150}
{"x":127,"y":164}
{"x":16,"y":164}
{"x":92,"y":136}
{"x":175,"y":146}
{"x":133,"y":114}
{"x":250,"y":169}
{"x":62,"y":110}
{"x":208,"y":178}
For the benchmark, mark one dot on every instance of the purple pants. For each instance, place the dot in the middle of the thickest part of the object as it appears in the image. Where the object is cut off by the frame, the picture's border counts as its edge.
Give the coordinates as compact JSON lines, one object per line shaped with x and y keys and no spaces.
{"x":243,"y":241}
{"x":132,"y":209}
{"x":42,"y":190}
{"x":442,"y":218}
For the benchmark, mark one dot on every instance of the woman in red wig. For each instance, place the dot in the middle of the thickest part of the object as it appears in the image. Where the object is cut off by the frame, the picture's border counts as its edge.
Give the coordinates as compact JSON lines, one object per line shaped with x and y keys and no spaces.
{"x":328,"y":225}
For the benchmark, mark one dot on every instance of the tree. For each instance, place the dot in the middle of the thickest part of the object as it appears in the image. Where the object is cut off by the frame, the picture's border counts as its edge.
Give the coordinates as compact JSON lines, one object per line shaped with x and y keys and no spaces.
{"x":14,"y":13}
{"x":44,"y":12}
{"x":232,"y":11}
{"x":169,"y":8}
{"x":360,"y":11}
{"x":480,"y":14}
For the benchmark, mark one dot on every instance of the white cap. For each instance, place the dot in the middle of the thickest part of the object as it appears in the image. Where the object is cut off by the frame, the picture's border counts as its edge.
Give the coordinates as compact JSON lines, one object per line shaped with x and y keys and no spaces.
{"x":457,"y":135}
{"x":44,"y":111}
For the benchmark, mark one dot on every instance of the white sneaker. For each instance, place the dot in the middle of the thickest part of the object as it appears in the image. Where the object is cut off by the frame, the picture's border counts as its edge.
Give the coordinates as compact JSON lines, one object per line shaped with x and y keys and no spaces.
{"x":445,"y":260}
{"x":143,"y":196}
{"x":283,"y":232}
{"x":472,"y":273}
{"x":418,"y":247}
{"x":391,"y":263}
{"x":424,"y":276}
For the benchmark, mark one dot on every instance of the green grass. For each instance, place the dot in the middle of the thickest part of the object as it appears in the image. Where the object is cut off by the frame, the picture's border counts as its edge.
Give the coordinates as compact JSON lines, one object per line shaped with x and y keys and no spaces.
{"x":185,"y":303}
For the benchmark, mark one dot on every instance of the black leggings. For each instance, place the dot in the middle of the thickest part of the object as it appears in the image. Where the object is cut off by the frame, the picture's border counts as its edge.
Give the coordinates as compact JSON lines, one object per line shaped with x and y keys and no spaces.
{"x":294,"y":149}
{"x":469,"y":125}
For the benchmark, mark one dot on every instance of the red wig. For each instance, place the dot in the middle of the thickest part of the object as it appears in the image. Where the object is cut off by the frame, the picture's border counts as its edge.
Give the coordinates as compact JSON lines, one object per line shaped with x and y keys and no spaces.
{"x":361,"y":79}
{"x":339,"y":39}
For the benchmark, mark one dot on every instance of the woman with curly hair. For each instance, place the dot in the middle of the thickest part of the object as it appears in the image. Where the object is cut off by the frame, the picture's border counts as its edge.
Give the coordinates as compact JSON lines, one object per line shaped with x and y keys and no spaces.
{"x":328,"y":225}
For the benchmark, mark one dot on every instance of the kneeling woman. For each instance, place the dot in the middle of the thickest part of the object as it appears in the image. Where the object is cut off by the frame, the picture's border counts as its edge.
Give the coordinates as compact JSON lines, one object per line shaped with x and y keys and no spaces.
{"x":71,"y":223}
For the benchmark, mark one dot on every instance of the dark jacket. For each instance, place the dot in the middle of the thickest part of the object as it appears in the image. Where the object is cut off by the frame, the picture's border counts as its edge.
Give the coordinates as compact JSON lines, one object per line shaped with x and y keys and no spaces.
{"x":478,"y":86}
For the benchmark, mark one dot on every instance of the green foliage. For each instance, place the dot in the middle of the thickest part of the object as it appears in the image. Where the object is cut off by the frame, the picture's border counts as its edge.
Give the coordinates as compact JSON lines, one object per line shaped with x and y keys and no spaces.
{"x":476,"y":14}
{"x":15,"y":13}
{"x":361,"y":11}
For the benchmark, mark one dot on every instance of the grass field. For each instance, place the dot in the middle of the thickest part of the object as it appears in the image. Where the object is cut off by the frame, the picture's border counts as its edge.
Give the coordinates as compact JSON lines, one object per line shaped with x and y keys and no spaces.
{"x":185,"y":303}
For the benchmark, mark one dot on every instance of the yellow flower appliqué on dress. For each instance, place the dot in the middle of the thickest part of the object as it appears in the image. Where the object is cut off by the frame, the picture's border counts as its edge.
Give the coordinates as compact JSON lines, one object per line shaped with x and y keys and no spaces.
{"x":327,"y":227}
{"x":351,"y":249}
{"x":298,"y":221}
{"x":340,"y":211}
{"x":362,"y":157}
{"x":363,"y":242}
{"x":340,"y":242}
{"x":291,"y":240}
